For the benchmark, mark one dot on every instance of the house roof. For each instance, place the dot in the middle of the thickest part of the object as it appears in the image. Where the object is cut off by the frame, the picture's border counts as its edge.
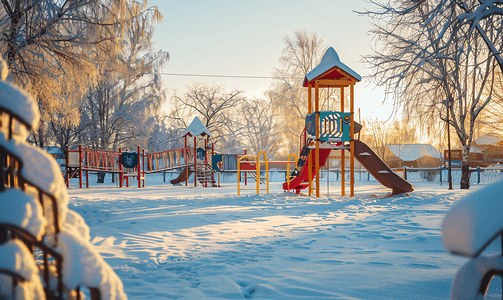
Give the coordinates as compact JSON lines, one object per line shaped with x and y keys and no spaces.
{"x":196,"y":128}
{"x":410,"y":152}
{"x":473,"y":149}
{"x":330,"y":67}
{"x":497,"y":149}
{"x":488,"y":139}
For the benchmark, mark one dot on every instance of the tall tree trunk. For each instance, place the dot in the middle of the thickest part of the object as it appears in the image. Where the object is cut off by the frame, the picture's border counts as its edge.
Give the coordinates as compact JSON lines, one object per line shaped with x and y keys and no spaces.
{"x":465,"y":168}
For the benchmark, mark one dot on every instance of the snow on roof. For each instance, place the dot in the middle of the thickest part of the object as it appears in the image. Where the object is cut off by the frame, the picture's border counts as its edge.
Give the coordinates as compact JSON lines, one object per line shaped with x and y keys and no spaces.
{"x":329,"y":61}
{"x":473,"y":221}
{"x":410,"y":152}
{"x":196,"y":128}
{"x":473,"y":149}
{"x":488,"y":139}
{"x":23,"y":210}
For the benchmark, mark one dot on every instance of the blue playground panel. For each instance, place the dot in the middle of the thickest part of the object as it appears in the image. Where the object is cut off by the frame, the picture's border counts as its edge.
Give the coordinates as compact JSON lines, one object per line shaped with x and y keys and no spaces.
{"x":334,"y":126}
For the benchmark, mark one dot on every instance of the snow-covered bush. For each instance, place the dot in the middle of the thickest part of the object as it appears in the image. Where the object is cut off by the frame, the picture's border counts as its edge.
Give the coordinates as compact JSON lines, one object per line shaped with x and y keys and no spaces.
{"x":468,"y":229}
{"x":44,"y":247}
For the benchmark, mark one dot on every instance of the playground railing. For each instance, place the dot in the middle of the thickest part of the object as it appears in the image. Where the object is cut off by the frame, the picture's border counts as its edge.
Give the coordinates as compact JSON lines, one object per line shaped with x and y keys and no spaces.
{"x":168,"y":160}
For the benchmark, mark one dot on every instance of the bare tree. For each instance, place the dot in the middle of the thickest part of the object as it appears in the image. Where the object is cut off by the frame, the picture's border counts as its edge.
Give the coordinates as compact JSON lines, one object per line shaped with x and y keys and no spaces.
{"x":210,"y":103}
{"x":302,"y":53}
{"x":259,"y":130}
{"x":434,"y":68}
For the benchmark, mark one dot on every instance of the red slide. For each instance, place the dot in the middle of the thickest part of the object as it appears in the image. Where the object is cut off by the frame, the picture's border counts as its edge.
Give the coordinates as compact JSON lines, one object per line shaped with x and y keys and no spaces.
{"x":380,"y":170}
{"x":301,"y":181}
{"x":364,"y":154}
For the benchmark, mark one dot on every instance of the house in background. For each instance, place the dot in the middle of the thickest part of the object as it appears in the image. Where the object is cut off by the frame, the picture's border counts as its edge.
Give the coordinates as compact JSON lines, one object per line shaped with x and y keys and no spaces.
{"x":414,"y":156}
{"x":486,"y":151}
{"x":491,"y":146}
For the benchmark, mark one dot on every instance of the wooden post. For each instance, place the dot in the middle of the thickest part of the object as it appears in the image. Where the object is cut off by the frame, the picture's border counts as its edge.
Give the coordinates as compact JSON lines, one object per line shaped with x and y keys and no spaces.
{"x":343,"y":158}
{"x":352,"y":142}
{"x":317,"y":153}
{"x":121,"y":170}
{"x":309,"y":156}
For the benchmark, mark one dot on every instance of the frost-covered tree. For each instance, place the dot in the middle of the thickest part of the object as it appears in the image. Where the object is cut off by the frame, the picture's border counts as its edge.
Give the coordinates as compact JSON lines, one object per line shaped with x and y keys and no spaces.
{"x":35,"y":219}
{"x":164,"y":135}
{"x":212,"y":104}
{"x":128,"y":92}
{"x":302,"y":53}
{"x":259,"y":131}
{"x":436,"y":66}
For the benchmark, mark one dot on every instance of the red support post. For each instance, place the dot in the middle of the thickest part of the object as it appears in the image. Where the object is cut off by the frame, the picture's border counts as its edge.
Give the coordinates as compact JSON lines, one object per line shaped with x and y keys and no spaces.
{"x":80,"y":166}
{"x":246,"y":175}
{"x":195,"y":162}
{"x":138,"y":168}
{"x":67,"y":170}
{"x":87,"y":179}
{"x":186,"y":163}
{"x":205,"y":152}
{"x":121,"y":174}
{"x":143,"y":165}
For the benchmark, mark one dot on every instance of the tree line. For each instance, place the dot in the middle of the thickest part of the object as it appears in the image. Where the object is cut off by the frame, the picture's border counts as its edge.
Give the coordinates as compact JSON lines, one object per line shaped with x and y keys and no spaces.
{"x":92,"y":68}
{"x":90,"y":65}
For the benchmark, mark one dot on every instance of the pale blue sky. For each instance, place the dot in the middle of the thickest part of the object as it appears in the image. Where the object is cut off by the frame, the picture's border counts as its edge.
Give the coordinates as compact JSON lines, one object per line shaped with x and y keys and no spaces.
{"x":231,"y":37}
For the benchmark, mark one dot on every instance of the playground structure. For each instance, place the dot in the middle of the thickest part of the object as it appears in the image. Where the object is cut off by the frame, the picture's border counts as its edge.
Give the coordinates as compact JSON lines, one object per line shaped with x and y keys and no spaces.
{"x":190,"y":158}
{"x":324,"y":131}
{"x":84,"y":160}
{"x":334,"y":130}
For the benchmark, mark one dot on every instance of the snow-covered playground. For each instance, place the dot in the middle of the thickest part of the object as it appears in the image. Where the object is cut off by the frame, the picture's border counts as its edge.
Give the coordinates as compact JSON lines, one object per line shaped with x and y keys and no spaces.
{"x":177,"y":242}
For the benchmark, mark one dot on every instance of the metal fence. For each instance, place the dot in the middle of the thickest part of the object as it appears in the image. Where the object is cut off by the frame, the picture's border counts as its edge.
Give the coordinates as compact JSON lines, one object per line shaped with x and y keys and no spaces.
{"x":433,"y":175}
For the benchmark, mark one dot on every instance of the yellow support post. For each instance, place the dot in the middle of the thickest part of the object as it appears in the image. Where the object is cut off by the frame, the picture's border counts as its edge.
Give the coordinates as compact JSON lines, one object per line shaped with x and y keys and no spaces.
{"x":266,"y":162}
{"x":288,"y":169}
{"x":317,"y":153}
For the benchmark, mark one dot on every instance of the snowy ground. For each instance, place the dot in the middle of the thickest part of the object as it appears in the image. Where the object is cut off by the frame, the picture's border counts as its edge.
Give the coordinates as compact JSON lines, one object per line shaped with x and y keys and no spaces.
{"x":177,"y":242}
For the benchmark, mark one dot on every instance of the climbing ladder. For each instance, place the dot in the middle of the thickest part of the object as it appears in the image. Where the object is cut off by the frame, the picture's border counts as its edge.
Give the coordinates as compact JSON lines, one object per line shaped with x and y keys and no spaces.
{"x":205,"y":175}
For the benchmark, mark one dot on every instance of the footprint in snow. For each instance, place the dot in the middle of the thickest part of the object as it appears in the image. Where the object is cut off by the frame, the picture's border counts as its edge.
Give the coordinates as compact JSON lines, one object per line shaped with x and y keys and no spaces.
{"x":421,"y":239}
{"x":248,"y":291}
